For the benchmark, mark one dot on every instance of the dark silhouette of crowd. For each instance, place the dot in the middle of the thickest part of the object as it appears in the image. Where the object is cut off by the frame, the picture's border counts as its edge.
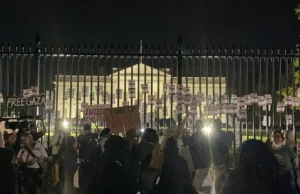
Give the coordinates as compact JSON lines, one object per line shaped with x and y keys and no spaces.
{"x":106,"y":163}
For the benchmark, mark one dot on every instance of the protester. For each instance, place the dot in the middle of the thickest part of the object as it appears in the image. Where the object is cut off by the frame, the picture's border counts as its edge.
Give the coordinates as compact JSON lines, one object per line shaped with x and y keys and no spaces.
{"x":220,"y":142}
{"x":8,"y":178}
{"x":104,"y":135}
{"x":290,"y":140}
{"x":200,"y":147}
{"x":175,"y":177}
{"x":32,"y":155}
{"x":68,"y":167}
{"x":34,"y":133}
{"x":254,"y":171}
{"x":147,"y":175}
{"x":112,"y":173}
{"x":10,"y":139}
{"x":287,"y":159}
{"x":57,"y":142}
{"x":87,"y":147}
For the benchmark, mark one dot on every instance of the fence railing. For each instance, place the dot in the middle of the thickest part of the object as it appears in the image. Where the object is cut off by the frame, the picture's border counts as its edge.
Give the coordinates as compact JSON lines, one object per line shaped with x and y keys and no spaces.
{"x":165,"y":82}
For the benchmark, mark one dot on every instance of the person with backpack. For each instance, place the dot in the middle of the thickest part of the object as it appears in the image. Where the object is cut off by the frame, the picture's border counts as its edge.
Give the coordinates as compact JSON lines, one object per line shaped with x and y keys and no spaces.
{"x":58,"y":137}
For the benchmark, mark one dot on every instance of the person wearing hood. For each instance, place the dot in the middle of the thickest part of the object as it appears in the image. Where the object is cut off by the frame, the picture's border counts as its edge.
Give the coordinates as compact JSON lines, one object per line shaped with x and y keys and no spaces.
{"x":8,"y":178}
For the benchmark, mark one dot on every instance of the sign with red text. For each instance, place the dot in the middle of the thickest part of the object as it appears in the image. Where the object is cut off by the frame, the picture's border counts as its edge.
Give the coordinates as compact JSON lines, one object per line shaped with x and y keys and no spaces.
{"x":123,"y":119}
{"x":94,"y":113}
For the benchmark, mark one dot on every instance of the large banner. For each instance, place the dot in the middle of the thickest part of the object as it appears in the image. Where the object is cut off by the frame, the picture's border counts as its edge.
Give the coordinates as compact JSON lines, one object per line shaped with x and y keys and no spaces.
{"x":122,"y":119}
{"x":26,"y":102}
{"x":94,"y":113}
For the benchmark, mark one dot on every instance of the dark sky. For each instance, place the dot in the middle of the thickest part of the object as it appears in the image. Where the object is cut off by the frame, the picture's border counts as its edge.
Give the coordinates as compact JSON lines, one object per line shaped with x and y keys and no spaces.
{"x":231,"y":22}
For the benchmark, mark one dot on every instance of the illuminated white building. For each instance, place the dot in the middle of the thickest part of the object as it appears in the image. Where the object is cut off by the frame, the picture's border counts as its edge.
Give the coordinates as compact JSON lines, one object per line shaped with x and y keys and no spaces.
{"x":119,"y":80}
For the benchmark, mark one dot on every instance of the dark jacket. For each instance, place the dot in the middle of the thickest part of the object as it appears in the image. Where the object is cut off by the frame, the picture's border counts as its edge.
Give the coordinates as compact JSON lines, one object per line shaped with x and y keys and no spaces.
{"x":68,"y":169}
{"x":87,"y":145}
{"x":8,"y":178}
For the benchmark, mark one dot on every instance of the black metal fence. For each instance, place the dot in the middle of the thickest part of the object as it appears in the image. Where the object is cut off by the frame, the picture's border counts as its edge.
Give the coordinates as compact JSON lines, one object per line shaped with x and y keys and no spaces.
{"x":213,"y":81}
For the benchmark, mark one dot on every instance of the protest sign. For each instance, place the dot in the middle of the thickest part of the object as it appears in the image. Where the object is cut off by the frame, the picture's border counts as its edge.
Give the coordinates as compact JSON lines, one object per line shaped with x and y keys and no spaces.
{"x":123,"y":119}
{"x":26,"y":102}
{"x":94,"y":113}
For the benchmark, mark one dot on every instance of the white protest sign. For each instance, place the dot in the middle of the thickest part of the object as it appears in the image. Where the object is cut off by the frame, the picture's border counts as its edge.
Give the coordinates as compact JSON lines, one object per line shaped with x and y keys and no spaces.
{"x":165,"y":87}
{"x":151,"y":99}
{"x":145,"y":88}
{"x":94,"y":113}
{"x":289,"y":101}
{"x":280,"y":107}
{"x":233,"y":99}
{"x":289,"y":119}
{"x":179,"y":89}
{"x":295,"y":102}
{"x":34,"y":90}
{"x":268,"y":99}
{"x":172,"y":89}
{"x":254,"y":97}
{"x":158,"y":103}
{"x":261,"y":100}
{"x":224,"y":99}
{"x":27,"y":93}
{"x":26,"y":102}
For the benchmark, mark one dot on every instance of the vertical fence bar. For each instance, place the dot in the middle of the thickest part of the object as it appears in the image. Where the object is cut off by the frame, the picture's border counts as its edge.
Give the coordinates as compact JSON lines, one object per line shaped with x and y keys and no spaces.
{"x":64,"y":82}
{"x":266,"y":59}
{"x":84,"y":72}
{"x":21,"y":71}
{"x":172,"y":82}
{"x":228,"y":92}
{"x":273,"y":86}
{"x":259,"y":93}
{"x":294,"y":91}
{"x":213,"y":76}
{"x":220,"y":80}
{"x":246,"y":89}
{"x":286,"y":84}
{"x":125,"y":75}
{"x":158,"y":86}
{"x":145,"y":82}
{"x":151,"y":75}
{"x":233,"y":87}
{"x":187,"y":80}
{"x":279,"y":85}
{"x":118,"y":80}
{"x":7,"y":75}
{"x":57,"y":83}
{"x":15,"y":71}
{"x":165,"y":81}
{"x":92,"y":93}
{"x":111,"y":76}
{"x":179,"y":69}
{"x":194,"y":71}
{"x":38,"y":61}
{"x":200,"y":83}
{"x":99,"y":68}
{"x":71,"y":90}
{"x":254,"y":91}
{"x":51,"y":98}
{"x":78,"y":94}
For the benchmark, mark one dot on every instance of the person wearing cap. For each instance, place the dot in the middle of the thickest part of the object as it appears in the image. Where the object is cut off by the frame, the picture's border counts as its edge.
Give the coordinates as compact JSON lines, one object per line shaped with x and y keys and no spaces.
{"x":287,"y":159}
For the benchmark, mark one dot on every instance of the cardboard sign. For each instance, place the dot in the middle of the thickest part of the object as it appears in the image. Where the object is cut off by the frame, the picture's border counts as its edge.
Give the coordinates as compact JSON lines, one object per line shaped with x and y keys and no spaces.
{"x":95,"y":112}
{"x":179,"y":89}
{"x":248,"y":99}
{"x":295,"y":102}
{"x":241,"y":101}
{"x":34,"y":90}
{"x":179,"y":98}
{"x":26,"y":102}
{"x":151,"y":99}
{"x":123,"y":119}
{"x":131,"y":92}
{"x":158,"y":104}
{"x":186,"y":90}
{"x":131,"y":84}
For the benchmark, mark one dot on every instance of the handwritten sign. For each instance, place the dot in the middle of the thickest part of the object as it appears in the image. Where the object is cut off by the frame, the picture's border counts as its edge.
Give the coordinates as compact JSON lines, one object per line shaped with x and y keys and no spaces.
{"x":26,"y":102}
{"x":123,"y":119}
{"x":95,"y":113}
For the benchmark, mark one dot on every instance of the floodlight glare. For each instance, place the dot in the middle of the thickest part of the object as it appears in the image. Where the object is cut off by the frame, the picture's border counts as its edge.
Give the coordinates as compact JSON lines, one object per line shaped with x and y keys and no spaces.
{"x":65,"y":124}
{"x":207,"y":130}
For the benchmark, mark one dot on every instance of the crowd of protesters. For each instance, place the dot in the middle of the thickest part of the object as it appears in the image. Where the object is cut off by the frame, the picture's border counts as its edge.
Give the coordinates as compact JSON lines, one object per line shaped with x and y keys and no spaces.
{"x":131,"y":163}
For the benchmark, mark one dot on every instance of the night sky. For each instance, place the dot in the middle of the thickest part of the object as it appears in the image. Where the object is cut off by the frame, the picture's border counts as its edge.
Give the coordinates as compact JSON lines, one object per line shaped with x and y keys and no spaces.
{"x":216,"y":22}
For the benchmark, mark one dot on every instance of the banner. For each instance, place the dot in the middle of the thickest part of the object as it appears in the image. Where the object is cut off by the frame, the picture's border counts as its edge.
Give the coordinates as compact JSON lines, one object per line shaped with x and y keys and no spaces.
{"x":26,"y":102}
{"x":123,"y":119}
{"x":94,"y":113}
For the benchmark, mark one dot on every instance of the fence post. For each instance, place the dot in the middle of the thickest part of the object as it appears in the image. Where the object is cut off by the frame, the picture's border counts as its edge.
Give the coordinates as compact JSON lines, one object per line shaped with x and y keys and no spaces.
{"x":37,"y":52}
{"x":179,"y":68}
